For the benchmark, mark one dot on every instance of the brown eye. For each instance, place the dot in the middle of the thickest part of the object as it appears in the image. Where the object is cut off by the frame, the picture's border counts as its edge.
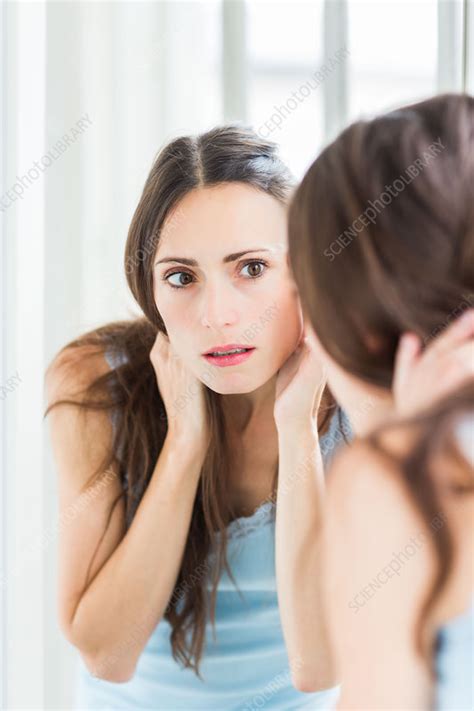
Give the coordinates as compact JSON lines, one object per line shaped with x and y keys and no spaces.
{"x":179,"y":284}
{"x":255,"y":268}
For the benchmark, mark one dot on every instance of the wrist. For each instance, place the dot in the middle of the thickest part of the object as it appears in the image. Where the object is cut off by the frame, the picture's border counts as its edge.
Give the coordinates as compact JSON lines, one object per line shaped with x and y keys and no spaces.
{"x":298,"y":431}
{"x":186,"y":442}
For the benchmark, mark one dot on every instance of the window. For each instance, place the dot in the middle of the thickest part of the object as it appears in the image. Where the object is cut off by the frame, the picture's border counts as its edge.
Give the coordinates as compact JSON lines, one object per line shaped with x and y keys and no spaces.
{"x":393,"y":54}
{"x":285,"y":99}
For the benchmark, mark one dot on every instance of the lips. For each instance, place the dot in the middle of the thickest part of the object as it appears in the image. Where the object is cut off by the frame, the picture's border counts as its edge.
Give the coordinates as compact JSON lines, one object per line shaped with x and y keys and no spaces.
{"x":225,"y":358}
{"x":225,"y":349}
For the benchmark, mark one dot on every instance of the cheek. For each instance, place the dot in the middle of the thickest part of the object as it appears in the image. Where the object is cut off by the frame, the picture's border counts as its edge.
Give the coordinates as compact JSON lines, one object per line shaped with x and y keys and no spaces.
{"x":174,"y":316}
{"x":169,"y":305}
{"x":288,"y":322}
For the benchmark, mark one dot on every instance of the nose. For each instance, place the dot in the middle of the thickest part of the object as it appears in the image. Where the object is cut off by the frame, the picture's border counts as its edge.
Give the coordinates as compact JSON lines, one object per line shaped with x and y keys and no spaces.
{"x":218,"y":307}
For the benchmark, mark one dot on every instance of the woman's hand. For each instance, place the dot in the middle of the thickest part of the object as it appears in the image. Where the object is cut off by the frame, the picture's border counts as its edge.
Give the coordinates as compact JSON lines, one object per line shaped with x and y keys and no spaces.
{"x":299,"y":387}
{"x":422,"y":377}
{"x":182,"y":394}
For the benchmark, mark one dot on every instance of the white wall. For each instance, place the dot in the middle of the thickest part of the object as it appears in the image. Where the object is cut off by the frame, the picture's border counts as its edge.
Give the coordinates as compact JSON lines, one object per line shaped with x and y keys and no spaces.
{"x":23,"y":233}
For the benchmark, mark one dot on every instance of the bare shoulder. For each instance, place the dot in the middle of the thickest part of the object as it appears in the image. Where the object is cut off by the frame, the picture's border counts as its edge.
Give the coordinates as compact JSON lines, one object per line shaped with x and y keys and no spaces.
{"x":381,"y":565}
{"x":377,"y":521}
{"x":379,"y":568}
{"x":363,"y":478}
{"x":375,"y":524}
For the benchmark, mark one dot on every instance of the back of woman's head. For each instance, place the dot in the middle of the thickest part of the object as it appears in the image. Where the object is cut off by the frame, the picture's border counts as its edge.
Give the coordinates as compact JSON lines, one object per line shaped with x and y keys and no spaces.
{"x":381,"y":232}
{"x":381,"y":241}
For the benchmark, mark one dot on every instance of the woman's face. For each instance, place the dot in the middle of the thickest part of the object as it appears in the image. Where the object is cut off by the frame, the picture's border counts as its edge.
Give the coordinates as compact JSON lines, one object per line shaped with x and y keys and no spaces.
{"x":221,"y":277}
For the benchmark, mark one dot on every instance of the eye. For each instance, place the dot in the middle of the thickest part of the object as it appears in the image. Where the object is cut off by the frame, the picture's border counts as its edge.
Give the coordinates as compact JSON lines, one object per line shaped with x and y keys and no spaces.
{"x":183,"y":279}
{"x":255,"y":263}
{"x":179,"y":284}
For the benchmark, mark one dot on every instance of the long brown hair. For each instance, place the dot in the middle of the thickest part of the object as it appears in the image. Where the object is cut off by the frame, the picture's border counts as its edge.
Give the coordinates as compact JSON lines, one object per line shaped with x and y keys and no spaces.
{"x":225,"y":154}
{"x":371,"y":263}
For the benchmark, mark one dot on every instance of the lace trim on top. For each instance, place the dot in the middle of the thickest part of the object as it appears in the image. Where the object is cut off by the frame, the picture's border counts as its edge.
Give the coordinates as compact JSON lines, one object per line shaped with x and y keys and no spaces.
{"x":245,"y":525}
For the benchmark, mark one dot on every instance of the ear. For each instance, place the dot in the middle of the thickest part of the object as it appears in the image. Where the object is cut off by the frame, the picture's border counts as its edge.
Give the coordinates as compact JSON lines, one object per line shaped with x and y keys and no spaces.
{"x":374,"y":344}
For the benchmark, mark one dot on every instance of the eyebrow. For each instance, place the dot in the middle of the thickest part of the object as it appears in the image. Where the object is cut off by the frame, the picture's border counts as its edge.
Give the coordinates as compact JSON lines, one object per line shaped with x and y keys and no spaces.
{"x":193,"y":263}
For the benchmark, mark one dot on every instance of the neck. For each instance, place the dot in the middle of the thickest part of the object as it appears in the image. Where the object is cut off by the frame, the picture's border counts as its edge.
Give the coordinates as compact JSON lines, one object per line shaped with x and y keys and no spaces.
{"x":372,"y":411}
{"x":244,"y":410}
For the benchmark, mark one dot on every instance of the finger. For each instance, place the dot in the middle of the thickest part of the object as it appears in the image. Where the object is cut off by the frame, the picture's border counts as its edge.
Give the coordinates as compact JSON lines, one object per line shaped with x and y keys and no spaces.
{"x":294,"y":360}
{"x":457,"y":368}
{"x":161,"y":341}
{"x":303,"y":343}
{"x":311,"y":337}
{"x":302,"y":334}
{"x":459,"y":331}
{"x":408,"y":351}
{"x":160,"y":338}
{"x":463,"y":357}
{"x":307,"y":323}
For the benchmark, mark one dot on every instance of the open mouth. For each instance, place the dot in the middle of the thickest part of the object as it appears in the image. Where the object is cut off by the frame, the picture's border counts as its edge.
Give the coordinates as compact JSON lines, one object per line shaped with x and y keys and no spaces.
{"x":229,"y":356}
{"x":229,"y":352}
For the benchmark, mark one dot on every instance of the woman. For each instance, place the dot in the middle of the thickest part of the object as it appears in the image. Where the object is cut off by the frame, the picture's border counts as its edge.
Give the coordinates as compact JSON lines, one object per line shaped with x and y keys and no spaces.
{"x":210,"y":467}
{"x":191,"y":460}
{"x":387,"y":210}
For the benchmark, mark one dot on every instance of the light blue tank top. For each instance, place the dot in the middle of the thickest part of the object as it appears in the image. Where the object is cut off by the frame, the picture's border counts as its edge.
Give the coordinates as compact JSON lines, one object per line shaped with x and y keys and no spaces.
{"x":246,"y":667}
{"x":455,"y":640}
{"x":455,"y":663}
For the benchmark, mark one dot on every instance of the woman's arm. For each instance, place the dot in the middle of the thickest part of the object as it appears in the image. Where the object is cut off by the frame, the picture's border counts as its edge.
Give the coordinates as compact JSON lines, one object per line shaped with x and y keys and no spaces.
{"x":299,"y":520}
{"x":379,"y":567}
{"x":299,"y":526}
{"x":110,"y":611}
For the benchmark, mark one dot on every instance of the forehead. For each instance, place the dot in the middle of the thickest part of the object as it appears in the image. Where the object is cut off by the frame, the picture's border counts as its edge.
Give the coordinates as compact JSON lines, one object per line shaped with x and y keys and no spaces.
{"x":223,"y":219}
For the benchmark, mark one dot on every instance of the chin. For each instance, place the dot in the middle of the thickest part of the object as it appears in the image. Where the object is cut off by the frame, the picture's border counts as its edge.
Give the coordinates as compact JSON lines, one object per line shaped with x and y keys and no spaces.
{"x":235,"y":383}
